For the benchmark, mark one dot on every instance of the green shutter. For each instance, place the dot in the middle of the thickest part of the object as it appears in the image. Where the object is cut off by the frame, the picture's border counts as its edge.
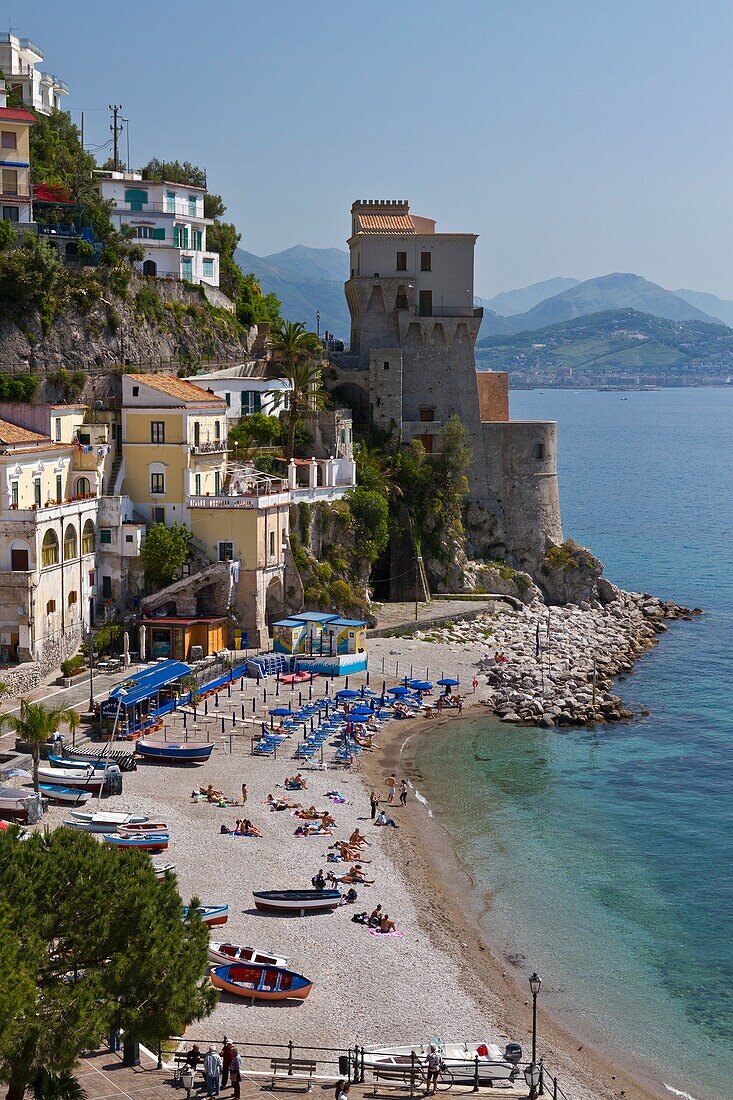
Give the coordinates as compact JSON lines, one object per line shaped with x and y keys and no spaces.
{"x":159,"y":234}
{"x":258,"y":401}
{"x":136,"y":198}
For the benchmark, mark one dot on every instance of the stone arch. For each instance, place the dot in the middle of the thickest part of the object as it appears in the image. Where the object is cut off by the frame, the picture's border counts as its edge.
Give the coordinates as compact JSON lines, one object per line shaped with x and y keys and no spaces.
{"x":88,"y":539}
{"x":83,"y":487}
{"x":70,"y":542}
{"x":274,"y":604}
{"x":50,"y":548}
{"x":19,"y":555}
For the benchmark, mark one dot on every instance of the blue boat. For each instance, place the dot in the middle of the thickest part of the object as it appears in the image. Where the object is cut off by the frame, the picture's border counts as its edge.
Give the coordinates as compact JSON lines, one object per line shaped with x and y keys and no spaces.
{"x":210,"y":914}
{"x":147,"y":842}
{"x":260,"y":982}
{"x":63,"y":762}
{"x":187,"y":752}
{"x":57,"y":793}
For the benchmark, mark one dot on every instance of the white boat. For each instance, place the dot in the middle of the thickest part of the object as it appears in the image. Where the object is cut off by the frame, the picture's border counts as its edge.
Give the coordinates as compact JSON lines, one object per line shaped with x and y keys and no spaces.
{"x":160,"y":868}
{"x":224,"y":953}
{"x":108,"y":822}
{"x":460,"y":1058}
{"x":68,"y":777}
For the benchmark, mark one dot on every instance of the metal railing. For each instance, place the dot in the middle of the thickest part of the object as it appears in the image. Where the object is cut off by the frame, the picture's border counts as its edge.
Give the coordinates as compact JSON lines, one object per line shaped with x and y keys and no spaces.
{"x":210,"y":447}
{"x":179,"y":208}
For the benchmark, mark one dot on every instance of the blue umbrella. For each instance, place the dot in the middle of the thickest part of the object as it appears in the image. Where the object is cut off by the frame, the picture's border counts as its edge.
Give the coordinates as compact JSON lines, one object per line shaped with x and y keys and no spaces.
{"x":421,"y":685}
{"x":448,"y":682}
{"x":281,"y":712}
{"x":347,"y":693}
{"x":399,"y":691}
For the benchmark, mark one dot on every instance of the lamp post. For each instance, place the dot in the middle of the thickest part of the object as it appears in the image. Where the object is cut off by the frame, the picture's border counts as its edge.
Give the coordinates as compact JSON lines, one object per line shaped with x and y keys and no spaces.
{"x":90,"y":646}
{"x":532,"y":1072}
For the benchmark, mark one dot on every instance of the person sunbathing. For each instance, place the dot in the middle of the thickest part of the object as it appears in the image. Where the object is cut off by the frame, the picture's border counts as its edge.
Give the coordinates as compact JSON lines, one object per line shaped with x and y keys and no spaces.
{"x":362,"y":742}
{"x":248,"y":829}
{"x":295,"y":782}
{"x":387,"y":925}
{"x":358,"y":839}
{"x":281,"y":804}
{"x":356,"y":874}
{"x":375,"y":917}
{"x":312,"y":830}
{"x":382,"y":819}
{"x":310,"y":814}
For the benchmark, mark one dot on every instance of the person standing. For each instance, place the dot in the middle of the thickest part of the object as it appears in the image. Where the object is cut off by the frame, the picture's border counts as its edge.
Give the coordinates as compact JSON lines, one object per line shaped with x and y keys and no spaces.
{"x":244,"y":794}
{"x":226,"y":1059}
{"x":392,"y":788}
{"x":235,"y":1072}
{"x":374,"y":803}
{"x":433,"y":1060}
{"x":212,"y":1072}
{"x":403,"y":792}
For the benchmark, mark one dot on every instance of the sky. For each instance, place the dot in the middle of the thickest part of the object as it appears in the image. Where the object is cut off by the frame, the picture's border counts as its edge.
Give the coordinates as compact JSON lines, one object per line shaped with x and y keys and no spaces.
{"x":576,"y":137}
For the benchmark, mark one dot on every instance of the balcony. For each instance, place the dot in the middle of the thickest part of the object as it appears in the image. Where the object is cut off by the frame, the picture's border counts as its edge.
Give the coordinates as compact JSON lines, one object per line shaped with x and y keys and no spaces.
{"x":178,"y":209}
{"x":59,"y":85}
{"x":248,"y":502}
{"x":216,"y":446}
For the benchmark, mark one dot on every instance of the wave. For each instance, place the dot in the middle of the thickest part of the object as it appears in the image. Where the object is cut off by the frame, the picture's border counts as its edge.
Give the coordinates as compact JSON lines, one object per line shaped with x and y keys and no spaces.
{"x":684,"y":1095}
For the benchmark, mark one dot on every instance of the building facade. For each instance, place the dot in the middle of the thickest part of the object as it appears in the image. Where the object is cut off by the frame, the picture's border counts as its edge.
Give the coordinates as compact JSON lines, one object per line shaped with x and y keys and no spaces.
{"x":19,"y":61}
{"x":15,"y":167}
{"x":413,"y":333}
{"x":167,"y":219}
{"x":248,"y":388}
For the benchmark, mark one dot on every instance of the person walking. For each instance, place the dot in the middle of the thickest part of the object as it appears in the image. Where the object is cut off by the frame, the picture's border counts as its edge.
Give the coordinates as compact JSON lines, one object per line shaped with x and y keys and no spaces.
{"x":433,"y":1060}
{"x":226,"y":1059}
{"x":244,"y":793}
{"x":403,"y":792}
{"x":235,"y":1072}
{"x":212,"y":1072}
{"x":374,"y":803}
{"x":392,"y":788}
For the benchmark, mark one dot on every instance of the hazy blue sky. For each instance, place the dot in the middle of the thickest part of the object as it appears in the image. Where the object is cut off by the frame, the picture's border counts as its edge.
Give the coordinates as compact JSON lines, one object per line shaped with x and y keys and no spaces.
{"x":577,"y":137}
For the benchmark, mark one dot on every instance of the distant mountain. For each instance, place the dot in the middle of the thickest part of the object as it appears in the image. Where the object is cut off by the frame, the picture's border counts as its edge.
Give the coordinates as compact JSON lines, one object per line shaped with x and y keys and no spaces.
{"x":510,"y":302}
{"x":716,"y":307}
{"x":609,"y":292}
{"x":305,"y":280}
{"x":614,"y":342}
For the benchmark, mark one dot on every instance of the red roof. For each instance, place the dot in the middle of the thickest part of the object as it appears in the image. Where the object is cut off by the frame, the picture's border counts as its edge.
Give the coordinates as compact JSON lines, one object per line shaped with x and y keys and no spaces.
{"x":16,"y":114}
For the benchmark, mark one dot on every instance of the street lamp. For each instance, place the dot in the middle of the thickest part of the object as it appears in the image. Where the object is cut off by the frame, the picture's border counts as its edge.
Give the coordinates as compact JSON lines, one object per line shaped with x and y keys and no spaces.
{"x":90,"y":646}
{"x":532,"y":1072}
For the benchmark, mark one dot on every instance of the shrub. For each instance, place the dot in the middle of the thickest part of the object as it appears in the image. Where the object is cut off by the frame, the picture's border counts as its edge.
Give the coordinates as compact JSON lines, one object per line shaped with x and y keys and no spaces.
{"x":69,"y":666}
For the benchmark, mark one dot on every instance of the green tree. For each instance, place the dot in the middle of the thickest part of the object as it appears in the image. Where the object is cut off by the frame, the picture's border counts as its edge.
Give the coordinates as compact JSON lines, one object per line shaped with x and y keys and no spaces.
{"x":255,"y":430}
{"x":96,"y":942}
{"x":56,"y":1086}
{"x":59,"y":159}
{"x":163,"y":553}
{"x":28,"y":275}
{"x":451,"y":467}
{"x":298,"y":354}
{"x":172,"y":171}
{"x":7,"y":235}
{"x":370,"y":519}
{"x":36,"y":724}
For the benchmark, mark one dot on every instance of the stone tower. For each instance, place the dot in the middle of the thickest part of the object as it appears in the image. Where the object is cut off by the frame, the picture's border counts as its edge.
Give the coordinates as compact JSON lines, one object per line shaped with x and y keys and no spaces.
{"x":413,"y":331}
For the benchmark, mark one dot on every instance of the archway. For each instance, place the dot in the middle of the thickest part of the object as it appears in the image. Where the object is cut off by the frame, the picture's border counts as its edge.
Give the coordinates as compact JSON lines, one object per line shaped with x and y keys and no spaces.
{"x":150,"y":267}
{"x":50,"y":549}
{"x":83,"y":487}
{"x":20,"y":556}
{"x":70,"y":542}
{"x":87,"y":538}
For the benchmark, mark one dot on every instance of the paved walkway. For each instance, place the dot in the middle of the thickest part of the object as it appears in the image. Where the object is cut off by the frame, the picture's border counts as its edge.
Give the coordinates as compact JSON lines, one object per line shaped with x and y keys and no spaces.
{"x":103,"y":1077}
{"x":401,"y":616}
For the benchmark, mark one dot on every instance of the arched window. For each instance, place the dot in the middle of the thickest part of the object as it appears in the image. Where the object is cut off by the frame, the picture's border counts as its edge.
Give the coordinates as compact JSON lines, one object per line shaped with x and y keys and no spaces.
{"x":50,"y":549}
{"x":87,"y":538}
{"x":83,"y":488}
{"x":20,"y":555}
{"x":70,"y":543}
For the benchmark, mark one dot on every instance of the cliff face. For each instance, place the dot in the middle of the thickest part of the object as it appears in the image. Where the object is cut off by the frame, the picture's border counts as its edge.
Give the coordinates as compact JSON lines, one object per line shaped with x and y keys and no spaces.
{"x":150,"y":321}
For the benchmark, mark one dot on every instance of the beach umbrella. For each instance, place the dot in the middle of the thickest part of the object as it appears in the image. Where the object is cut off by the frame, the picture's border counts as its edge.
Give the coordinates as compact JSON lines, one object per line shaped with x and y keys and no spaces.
{"x":421,"y":685}
{"x":399,"y":691}
{"x":447,"y":681}
{"x":281,"y":712}
{"x":347,"y":693}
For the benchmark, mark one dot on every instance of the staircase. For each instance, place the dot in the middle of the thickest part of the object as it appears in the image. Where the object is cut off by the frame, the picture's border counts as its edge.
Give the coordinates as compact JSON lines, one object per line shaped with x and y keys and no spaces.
{"x":113,"y":488}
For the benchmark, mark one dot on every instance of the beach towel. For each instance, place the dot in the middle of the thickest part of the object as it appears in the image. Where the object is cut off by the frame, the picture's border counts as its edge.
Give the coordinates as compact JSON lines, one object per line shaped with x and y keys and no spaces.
{"x":375,"y":932}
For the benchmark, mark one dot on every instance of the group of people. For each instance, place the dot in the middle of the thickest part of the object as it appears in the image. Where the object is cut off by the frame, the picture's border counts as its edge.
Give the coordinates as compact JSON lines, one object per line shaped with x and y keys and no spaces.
{"x":242,"y":828}
{"x":377,"y":919}
{"x":295,"y":782}
{"x":219,"y":1068}
{"x":443,"y":701}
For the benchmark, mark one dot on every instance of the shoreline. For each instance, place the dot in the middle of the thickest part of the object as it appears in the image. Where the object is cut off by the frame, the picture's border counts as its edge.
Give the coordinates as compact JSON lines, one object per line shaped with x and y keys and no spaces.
{"x":432,"y":869}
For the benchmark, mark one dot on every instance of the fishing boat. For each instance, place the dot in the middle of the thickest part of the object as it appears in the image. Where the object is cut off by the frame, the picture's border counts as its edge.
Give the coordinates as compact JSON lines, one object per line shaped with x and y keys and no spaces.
{"x":145,"y":826}
{"x":461,"y":1059}
{"x":160,"y":869}
{"x":223,"y":953}
{"x":210,"y":914}
{"x":187,"y":752}
{"x":124,"y":760}
{"x":20,"y":804}
{"x":146,"y":842}
{"x":103,"y":822}
{"x":83,"y":765}
{"x":260,"y":982}
{"x":71,"y":777}
{"x":296,"y":901}
{"x":56,"y":793}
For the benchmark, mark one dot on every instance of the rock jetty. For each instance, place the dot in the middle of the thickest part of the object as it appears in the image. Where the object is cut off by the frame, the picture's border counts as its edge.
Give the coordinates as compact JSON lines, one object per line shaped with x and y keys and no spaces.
{"x":582,"y":649}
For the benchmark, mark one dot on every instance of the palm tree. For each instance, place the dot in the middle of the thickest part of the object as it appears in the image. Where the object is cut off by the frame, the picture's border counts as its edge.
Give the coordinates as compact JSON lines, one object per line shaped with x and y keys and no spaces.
{"x":297,"y":354}
{"x":56,"y":1086}
{"x":36,"y":723}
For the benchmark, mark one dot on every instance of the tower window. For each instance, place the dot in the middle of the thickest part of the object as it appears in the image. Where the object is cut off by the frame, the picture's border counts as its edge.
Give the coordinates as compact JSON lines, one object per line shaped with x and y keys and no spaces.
{"x":426,"y":261}
{"x":539,"y":451}
{"x":385,"y":365}
{"x":402,"y":261}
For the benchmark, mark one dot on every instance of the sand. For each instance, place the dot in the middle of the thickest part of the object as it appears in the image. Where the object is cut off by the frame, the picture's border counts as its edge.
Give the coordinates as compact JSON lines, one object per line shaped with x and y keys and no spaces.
{"x":440,"y":978}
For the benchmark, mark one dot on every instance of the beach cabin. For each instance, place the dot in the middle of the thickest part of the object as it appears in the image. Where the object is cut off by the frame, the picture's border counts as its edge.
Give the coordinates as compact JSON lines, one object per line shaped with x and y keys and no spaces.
{"x":322,"y":642}
{"x":176,"y":636}
{"x":135,"y":703}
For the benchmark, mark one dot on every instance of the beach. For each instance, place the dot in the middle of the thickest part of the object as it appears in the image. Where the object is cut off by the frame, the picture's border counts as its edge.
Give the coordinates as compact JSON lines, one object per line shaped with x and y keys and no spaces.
{"x":442,"y":977}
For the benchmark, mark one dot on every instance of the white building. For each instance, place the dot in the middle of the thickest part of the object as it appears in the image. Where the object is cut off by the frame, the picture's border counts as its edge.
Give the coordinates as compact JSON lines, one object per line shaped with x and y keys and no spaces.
{"x":167,"y":219}
{"x":248,"y":388}
{"x":19,"y":58}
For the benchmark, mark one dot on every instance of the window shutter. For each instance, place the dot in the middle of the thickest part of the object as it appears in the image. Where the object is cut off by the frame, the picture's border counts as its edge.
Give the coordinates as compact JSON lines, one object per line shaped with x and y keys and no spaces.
{"x":159,"y":234}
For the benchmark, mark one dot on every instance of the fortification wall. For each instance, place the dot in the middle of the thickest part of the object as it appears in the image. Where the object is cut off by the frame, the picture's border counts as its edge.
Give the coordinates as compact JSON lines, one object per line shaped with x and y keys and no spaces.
{"x":385,"y":387}
{"x":493,"y":395}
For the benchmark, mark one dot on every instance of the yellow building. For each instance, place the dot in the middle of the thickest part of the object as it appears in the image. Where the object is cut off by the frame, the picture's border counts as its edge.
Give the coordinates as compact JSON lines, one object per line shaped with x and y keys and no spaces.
{"x":15,"y":126}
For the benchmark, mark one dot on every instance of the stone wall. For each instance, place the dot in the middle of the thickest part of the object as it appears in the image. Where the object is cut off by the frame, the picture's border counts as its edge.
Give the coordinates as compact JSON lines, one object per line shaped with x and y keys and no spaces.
{"x":493,"y":395}
{"x":29,"y":675}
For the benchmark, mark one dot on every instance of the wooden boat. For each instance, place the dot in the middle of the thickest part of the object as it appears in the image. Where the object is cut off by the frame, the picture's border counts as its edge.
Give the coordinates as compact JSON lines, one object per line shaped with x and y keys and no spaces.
{"x":260,"y":982}
{"x":104,"y":822}
{"x":210,"y":914}
{"x":160,"y":869}
{"x":459,"y":1058}
{"x":20,"y":804}
{"x":224,"y":953}
{"x":124,"y":760}
{"x":187,"y":752}
{"x":56,"y":793}
{"x":146,"y":842}
{"x":146,"y":826}
{"x":71,"y":777}
{"x":77,"y":765}
{"x":296,"y":901}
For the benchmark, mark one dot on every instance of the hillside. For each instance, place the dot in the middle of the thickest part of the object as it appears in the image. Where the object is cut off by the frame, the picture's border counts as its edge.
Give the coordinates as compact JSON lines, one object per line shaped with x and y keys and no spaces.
{"x":608,"y":292}
{"x":305,"y":280}
{"x":510,"y":302}
{"x":611,"y":345}
{"x":718,"y":308}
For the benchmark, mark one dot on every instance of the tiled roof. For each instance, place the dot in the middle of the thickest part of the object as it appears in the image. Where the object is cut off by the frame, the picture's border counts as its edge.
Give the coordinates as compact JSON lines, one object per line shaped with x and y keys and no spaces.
{"x":185,"y":392}
{"x":386,"y":223}
{"x":12,"y":433}
{"x":15,"y":114}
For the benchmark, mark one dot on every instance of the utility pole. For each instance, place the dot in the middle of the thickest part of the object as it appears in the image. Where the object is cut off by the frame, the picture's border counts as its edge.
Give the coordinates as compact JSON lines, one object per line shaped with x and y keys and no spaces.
{"x":116,"y":128}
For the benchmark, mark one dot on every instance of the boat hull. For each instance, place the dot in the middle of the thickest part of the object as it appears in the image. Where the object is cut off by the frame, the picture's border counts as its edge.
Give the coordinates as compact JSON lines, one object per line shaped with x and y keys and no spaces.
{"x":211,"y":915}
{"x":71,"y":777}
{"x":75,"y":796}
{"x":191,"y":752}
{"x":297,"y":902}
{"x":112,"y":820}
{"x":153,"y":843}
{"x":260,"y":983}
{"x":460,"y":1060}
{"x":224,"y":954}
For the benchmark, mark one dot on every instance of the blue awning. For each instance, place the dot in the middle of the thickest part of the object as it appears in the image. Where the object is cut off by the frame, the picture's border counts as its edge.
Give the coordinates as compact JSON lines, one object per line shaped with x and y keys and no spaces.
{"x":145,"y":684}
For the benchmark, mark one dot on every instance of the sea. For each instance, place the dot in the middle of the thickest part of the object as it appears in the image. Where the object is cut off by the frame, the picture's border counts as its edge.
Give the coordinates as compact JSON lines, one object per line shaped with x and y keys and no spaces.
{"x":605,"y":855}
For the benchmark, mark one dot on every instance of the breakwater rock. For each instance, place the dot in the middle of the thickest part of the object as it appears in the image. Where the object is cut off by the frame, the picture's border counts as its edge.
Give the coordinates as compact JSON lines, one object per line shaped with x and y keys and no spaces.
{"x":565,"y":676}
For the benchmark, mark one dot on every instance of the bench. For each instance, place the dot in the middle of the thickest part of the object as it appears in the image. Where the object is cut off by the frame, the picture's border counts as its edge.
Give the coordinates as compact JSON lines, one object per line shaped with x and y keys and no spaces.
{"x":301,"y":1068}
{"x":180,"y":1062}
{"x":393,"y":1077}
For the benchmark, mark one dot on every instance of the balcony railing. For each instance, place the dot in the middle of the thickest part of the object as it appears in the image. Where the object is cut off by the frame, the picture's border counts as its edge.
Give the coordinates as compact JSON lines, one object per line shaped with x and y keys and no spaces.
{"x":209,"y":448}
{"x":451,"y":311}
{"x":178,"y":209}
{"x":49,"y":78}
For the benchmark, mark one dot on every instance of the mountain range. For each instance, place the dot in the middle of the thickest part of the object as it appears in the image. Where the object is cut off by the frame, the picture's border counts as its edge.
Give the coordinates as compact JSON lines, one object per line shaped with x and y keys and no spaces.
{"x":306,"y":280}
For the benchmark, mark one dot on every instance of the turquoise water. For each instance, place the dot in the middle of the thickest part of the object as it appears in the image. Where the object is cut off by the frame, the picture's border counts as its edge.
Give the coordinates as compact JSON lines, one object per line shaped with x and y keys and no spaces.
{"x":606,"y":853}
